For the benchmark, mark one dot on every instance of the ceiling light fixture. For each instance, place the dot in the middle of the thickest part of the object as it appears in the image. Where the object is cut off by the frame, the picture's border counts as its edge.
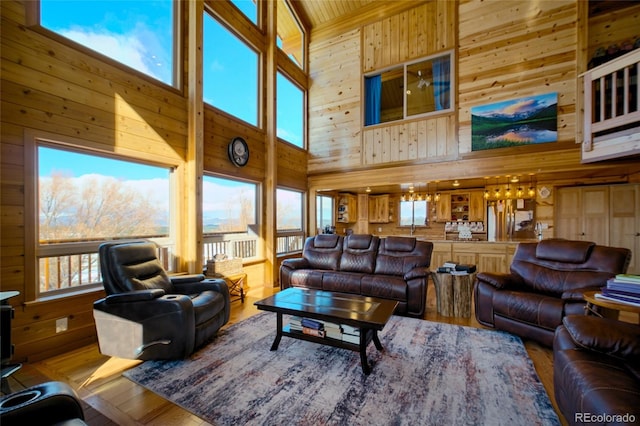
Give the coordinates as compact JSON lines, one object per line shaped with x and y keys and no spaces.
{"x":456,"y":183}
{"x":367,"y":190}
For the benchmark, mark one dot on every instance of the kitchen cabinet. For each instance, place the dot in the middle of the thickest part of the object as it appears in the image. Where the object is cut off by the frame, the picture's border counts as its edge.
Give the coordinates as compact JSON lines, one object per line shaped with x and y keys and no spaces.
{"x":582,"y":213}
{"x":441,"y":253}
{"x":347,"y":208}
{"x":624,"y":229}
{"x":378,"y":208}
{"x":487,"y":256}
{"x":468,"y":206}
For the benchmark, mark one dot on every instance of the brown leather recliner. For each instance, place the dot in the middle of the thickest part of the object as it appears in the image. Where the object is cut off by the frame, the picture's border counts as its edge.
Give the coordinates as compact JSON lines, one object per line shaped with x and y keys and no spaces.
{"x":596,"y":370}
{"x":546,"y":282}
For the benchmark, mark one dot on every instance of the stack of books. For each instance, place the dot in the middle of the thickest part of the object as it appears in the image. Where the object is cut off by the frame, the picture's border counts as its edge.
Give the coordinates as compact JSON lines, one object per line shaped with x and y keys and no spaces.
{"x":324,"y":329}
{"x":456,"y":269}
{"x":623,"y":288}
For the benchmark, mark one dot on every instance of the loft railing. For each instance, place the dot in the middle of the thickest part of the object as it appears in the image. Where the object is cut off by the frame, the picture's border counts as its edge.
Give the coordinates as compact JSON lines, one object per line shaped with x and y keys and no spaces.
{"x":612,"y":108}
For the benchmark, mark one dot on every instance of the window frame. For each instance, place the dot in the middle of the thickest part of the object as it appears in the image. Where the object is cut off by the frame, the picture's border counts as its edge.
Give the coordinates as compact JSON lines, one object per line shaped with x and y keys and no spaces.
{"x":319,"y":210}
{"x":34,"y":251}
{"x":33,"y":20}
{"x":211,"y":239}
{"x":404,"y":66}
{"x":259,"y":65}
{"x":303,"y":36}
{"x":413,"y":224}
{"x":304,"y":93}
{"x":291,"y":241}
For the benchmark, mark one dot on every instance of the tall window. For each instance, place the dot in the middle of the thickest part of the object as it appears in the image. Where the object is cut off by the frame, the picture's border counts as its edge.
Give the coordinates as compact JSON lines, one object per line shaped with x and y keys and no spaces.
{"x":289,"y":220}
{"x":138,"y":34}
{"x":324,"y":212}
{"x":413,"y":89}
{"x":230,"y":80}
{"x":84,"y":199}
{"x":290,"y":37}
{"x":290,"y":111}
{"x":230,"y":217}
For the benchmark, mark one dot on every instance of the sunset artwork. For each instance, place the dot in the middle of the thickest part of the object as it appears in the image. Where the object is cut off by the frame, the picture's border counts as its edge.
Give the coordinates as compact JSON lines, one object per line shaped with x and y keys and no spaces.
{"x":517,"y":122}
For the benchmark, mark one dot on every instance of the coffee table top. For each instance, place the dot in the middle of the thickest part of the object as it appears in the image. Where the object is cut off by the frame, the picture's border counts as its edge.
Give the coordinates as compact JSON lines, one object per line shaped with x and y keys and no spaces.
{"x":349,"y":309}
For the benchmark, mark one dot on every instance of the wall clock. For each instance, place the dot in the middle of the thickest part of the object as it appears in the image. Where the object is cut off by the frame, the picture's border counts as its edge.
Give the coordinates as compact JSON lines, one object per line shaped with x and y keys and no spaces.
{"x":238,"y":151}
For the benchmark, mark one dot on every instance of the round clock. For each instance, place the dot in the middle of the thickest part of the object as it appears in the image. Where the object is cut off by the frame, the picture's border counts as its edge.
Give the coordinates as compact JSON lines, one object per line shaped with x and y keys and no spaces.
{"x":238,"y":152}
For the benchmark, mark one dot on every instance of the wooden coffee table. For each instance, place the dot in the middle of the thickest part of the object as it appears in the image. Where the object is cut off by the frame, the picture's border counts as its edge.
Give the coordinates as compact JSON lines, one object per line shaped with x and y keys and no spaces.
{"x":369,"y":314}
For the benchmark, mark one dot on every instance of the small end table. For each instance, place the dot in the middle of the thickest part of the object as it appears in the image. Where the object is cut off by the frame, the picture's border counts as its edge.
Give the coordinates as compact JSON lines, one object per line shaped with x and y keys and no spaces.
{"x":607,"y":308}
{"x":453,"y":294}
{"x":235,"y":283}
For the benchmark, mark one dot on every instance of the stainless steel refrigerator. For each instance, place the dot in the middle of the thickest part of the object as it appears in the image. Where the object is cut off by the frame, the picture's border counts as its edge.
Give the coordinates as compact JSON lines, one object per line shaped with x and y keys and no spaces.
{"x":512,"y":219}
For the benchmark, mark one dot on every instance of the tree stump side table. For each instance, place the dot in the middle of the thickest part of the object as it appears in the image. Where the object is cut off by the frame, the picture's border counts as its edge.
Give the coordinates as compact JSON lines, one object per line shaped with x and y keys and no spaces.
{"x":453,"y":294}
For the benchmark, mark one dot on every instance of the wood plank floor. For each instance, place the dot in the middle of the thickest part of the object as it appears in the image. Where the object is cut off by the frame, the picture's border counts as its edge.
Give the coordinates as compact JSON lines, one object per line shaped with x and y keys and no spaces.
{"x":110,"y":399}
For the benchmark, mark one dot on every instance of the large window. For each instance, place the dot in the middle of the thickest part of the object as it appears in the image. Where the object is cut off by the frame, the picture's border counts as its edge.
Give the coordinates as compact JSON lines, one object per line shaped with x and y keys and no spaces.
{"x":139,"y":34}
{"x":230,"y":80}
{"x":290,"y":37}
{"x":289,"y":220}
{"x":84,"y":199}
{"x":290,"y":111}
{"x":413,"y":89}
{"x":230,"y":217}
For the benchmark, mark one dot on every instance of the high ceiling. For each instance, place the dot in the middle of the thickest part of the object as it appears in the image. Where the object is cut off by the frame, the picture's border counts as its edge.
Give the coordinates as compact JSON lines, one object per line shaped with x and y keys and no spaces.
{"x":318,"y":12}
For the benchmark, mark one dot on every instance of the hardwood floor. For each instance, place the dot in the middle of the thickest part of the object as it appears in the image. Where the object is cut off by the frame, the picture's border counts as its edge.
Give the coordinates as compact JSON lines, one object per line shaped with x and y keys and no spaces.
{"x":110,"y":399}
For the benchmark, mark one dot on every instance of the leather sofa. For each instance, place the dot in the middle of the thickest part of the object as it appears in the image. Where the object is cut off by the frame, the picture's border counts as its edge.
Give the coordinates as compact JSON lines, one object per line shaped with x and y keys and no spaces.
{"x":545,"y":283}
{"x":596,"y":370}
{"x":395,"y":268}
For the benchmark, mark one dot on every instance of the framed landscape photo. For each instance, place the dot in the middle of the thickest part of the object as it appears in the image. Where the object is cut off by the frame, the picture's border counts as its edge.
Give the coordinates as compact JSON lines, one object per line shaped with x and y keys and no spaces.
{"x":517,"y":122}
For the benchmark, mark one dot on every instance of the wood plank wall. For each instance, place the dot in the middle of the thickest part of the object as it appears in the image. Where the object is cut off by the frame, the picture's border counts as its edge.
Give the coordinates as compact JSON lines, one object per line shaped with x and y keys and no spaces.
{"x":61,"y":91}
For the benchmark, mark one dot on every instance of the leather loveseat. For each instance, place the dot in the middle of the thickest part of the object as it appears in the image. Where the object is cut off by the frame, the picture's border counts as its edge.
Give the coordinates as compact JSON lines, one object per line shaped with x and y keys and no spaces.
{"x":395,"y":268}
{"x":546,"y":282}
{"x":596,"y":370}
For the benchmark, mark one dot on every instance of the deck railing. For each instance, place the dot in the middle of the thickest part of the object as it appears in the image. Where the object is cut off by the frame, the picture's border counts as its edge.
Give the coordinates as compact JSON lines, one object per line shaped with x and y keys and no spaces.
{"x":612,"y":103}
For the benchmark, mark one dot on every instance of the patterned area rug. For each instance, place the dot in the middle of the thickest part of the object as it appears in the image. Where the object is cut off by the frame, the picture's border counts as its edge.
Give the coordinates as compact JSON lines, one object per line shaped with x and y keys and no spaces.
{"x":428,"y":374}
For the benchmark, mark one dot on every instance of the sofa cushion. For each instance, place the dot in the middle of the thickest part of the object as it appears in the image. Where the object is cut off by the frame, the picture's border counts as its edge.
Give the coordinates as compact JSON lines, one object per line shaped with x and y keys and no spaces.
{"x":540,"y":310}
{"x":399,"y":255}
{"x":323,"y":251}
{"x":308,"y":278}
{"x":564,"y":250}
{"x":342,"y":282}
{"x":385,"y":287}
{"x":359,"y":253}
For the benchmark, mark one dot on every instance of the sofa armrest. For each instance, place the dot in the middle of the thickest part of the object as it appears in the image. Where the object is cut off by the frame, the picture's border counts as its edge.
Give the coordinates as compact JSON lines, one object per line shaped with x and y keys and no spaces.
{"x":188,"y":278}
{"x":576,"y":295}
{"x":134,"y":296}
{"x":498,"y":280}
{"x":604,"y":335}
{"x":419,"y":272}
{"x":295,"y":263}
{"x":193,"y":287}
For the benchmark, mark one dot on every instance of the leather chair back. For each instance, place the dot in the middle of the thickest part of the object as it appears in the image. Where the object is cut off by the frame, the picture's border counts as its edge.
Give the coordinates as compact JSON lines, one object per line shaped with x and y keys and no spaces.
{"x":557,"y":266}
{"x":323,"y":251}
{"x":359,"y":253}
{"x":132,"y":266}
{"x":399,"y":255}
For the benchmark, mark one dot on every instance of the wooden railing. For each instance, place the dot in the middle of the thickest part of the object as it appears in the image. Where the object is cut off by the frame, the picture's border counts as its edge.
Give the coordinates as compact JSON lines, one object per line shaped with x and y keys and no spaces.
{"x":612,"y":109}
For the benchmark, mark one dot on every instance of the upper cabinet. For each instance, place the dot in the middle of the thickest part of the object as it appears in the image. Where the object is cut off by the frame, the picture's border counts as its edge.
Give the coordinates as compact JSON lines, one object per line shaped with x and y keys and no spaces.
{"x":347,"y":208}
{"x":461,"y":205}
{"x":379,"y":208}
